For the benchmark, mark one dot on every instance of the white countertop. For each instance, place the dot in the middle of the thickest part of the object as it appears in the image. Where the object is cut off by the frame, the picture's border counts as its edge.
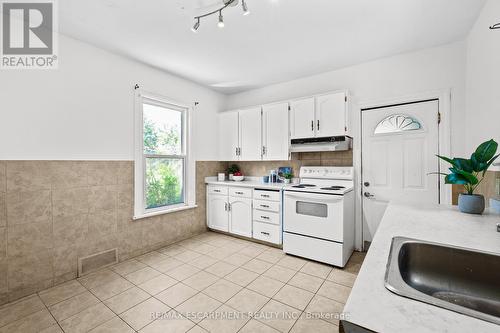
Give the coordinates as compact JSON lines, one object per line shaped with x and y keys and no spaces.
{"x":253,"y":182}
{"x":372,"y":306}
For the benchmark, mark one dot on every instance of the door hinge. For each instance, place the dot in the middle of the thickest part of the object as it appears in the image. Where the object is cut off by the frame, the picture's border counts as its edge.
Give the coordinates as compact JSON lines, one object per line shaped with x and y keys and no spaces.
{"x":439,"y":117}
{"x":289,"y":108}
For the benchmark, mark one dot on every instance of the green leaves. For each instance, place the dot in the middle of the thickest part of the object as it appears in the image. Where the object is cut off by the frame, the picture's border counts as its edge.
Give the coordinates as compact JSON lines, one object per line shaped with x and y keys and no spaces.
{"x":486,"y":151}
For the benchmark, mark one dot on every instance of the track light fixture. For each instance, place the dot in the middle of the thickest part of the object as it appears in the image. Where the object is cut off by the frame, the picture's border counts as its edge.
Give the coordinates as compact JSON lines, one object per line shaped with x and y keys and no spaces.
{"x":220,"y":23}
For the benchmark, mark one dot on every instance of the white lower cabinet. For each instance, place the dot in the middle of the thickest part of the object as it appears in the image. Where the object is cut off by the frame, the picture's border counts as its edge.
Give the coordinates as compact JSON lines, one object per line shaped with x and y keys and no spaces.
{"x":240,"y":216}
{"x":217,"y":212}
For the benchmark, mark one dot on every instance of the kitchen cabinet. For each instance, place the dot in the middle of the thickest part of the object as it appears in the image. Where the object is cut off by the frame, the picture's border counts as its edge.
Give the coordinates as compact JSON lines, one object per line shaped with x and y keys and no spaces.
{"x":228,"y":136}
{"x":217,"y":211}
{"x":240,"y":216}
{"x":250,"y":134}
{"x":275,"y":132}
{"x":319,"y":116}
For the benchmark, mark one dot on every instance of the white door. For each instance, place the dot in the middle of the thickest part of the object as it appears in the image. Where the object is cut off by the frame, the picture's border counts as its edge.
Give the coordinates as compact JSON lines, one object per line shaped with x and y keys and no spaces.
{"x":399,"y":149}
{"x":217,"y":212}
{"x":240,"y":216}
{"x":302,"y":118}
{"x":228,"y":136}
{"x":251,"y":134}
{"x":331,"y":115}
{"x":275,"y":132}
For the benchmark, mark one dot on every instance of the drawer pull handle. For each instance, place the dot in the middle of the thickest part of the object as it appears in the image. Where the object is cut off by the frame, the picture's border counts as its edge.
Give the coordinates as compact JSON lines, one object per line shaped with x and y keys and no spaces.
{"x":264,"y":206}
{"x":265,"y":195}
{"x":216,"y":190}
{"x":239,"y":192}
{"x":265,"y":217}
{"x":265,"y":233}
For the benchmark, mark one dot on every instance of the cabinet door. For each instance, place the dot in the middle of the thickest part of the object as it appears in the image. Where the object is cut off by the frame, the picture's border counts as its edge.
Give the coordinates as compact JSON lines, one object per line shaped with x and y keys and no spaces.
{"x":240,"y":216}
{"x":228,"y":136}
{"x":250,"y":134}
{"x":302,"y":118}
{"x":217,"y":212}
{"x":275,"y":132}
{"x":330,"y":115}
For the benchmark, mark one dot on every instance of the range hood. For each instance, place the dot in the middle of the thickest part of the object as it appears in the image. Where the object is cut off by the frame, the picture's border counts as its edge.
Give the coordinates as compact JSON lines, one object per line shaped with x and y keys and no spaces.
{"x":329,"y":143}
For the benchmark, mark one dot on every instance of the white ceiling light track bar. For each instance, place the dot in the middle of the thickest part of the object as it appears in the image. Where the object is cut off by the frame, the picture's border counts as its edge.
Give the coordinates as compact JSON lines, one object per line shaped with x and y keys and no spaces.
{"x":220,"y":24}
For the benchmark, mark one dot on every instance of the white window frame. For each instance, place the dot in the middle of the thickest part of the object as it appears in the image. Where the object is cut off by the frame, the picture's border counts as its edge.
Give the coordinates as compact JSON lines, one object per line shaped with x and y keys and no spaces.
{"x":189,"y":195}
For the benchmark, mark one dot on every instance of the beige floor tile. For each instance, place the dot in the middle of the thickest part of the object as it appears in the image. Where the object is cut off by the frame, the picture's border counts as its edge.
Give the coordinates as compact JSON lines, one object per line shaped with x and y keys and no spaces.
{"x":271,"y":256}
{"x":324,"y":308}
{"x":200,"y":280}
{"x":183,"y":272}
{"x":222,"y":290}
{"x":278,"y":315}
{"x":197,"y":329}
{"x":115,"y":325}
{"x":357,"y":257}
{"x":142,"y":275}
{"x":87,"y":319}
{"x":52,"y":329}
{"x":72,"y":306}
{"x":257,"y":266}
{"x":157,"y":284}
{"x":266,"y":286}
{"x":280,"y":273}
{"x":128,"y":267}
{"x":293,"y":296}
{"x":167,"y":265}
{"x":237,"y":259}
{"x":96,"y":279}
{"x":241,"y":276}
{"x":221,"y":253}
{"x":172,"y":250}
{"x":292,"y":262}
{"x":61,"y":292}
{"x":126,"y":300}
{"x":334,"y":291}
{"x":144,"y":313}
{"x":152,"y":258}
{"x":198,"y":307}
{"x":188,"y":256}
{"x":176,"y":294}
{"x":221,"y":268}
{"x":225,"y":320}
{"x":305,"y":325}
{"x":306,"y":281}
{"x":111,"y":289}
{"x":204,"y":248}
{"x":33,"y":323}
{"x":352,"y":267}
{"x":342,"y":277}
{"x":203,"y":262}
{"x":316,"y":269}
{"x":173,"y":322}
{"x":254,"y":326}
{"x":247,"y":301}
{"x":19,"y":309}
{"x":251,"y":251}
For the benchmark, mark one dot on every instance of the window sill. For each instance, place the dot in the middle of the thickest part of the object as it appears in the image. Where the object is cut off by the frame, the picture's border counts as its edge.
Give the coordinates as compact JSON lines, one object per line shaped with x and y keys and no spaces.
{"x":166,"y":211}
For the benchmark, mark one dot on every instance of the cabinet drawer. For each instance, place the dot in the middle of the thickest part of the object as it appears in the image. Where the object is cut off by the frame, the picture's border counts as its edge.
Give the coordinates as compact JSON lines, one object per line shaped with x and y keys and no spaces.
{"x":271,"y":206}
{"x":266,"y":232}
{"x":266,"y":195}
{"x":268,"y":217}
{"x":214,"y":189}
{"x":240,"y":192}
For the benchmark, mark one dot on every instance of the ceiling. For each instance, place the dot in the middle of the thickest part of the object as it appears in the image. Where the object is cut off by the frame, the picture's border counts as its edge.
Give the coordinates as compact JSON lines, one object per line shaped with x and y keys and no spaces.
{"x":280,"y":40}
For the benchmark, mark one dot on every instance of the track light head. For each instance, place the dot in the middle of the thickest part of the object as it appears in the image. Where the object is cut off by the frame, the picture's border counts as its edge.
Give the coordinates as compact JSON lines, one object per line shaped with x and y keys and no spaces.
{"x":245,"y":7}
{"x":196,"y":26}
{"x":220,"y":24}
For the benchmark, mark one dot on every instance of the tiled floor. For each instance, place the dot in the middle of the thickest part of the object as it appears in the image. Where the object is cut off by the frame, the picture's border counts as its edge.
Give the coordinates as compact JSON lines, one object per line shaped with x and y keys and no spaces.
{"x":210,"y":282}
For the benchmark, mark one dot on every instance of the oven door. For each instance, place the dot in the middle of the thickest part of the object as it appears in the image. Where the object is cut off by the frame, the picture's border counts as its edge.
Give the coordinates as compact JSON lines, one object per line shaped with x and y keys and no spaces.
{"x":313,"y":214}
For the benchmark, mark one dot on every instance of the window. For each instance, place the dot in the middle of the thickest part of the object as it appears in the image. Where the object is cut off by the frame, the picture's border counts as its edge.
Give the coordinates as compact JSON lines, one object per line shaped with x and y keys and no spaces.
{"x":397,"y":123}
{"x":161,"y":161}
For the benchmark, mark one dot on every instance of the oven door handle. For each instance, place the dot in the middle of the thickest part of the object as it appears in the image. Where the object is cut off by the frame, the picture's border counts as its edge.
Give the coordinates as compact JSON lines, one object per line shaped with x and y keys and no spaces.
{"x":314,"y":197}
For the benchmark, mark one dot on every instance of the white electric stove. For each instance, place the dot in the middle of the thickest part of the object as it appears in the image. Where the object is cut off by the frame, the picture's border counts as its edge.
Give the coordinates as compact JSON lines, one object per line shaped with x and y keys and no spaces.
{"x":318,"y":218}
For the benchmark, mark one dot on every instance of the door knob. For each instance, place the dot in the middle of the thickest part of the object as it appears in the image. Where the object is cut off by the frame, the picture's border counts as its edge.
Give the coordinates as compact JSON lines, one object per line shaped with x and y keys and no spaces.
{"x":368,"y":195}
{"x":366,"y":184}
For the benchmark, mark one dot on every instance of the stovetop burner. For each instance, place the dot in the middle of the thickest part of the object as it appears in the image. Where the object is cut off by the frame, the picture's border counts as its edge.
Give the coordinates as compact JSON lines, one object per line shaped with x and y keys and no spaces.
{"x":304,"y":185}
{"x":333,"y":188}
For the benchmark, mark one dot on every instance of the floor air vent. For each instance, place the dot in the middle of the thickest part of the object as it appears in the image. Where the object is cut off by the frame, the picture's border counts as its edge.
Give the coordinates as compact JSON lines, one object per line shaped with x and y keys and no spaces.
{"x":96,"y":261}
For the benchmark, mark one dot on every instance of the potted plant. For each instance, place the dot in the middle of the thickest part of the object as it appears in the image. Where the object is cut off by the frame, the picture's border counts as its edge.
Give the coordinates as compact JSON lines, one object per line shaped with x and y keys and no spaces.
{"x":287,"y":177}
{"x":232,"y":170}
{"x":470,"y":173}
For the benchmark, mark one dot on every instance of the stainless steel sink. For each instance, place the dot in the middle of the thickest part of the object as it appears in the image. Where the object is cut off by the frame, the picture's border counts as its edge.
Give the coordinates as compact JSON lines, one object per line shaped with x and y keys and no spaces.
{"x":458,"y":279}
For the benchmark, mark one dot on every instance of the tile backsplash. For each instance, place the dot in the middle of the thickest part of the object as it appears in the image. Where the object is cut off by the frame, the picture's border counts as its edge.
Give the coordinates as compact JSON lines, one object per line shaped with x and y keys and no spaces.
{"x":53,"y":212}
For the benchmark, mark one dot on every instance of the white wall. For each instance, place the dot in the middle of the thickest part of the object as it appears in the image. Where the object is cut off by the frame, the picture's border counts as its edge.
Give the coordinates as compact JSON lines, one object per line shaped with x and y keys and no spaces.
{"x":388,"y":78}
{"x":483,"y":79}
{"x":84,"y":110}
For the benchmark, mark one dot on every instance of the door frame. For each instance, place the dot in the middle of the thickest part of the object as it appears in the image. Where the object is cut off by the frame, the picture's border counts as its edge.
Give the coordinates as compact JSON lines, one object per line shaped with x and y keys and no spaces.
{"x":444,"y":98}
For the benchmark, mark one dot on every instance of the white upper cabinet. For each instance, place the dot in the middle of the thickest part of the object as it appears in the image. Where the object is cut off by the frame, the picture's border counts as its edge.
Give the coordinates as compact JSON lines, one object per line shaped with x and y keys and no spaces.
{"x":275,"y":132}
{"x":302,"y":118}
{"x":331,"y":114}
{"x":250,"y":134}
{"x":228,"y":136}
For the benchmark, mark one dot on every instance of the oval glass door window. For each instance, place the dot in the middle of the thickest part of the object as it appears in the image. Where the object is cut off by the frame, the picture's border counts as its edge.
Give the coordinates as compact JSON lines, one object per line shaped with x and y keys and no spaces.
{"x":396,"y":123}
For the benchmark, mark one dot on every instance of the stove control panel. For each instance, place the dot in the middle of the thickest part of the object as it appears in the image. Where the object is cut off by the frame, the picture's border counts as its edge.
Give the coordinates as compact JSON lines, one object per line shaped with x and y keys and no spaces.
{"x":327,"y":172}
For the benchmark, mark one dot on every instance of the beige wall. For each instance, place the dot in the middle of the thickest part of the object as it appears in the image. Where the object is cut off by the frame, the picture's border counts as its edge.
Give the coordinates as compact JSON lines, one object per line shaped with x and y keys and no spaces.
{"x":52,"y":212}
